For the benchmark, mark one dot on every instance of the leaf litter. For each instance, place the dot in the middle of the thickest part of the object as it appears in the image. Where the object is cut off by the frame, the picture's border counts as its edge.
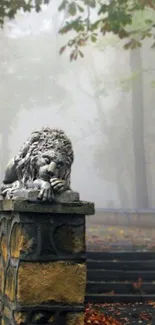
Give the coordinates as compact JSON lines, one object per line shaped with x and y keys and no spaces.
{"x":120,"y":314}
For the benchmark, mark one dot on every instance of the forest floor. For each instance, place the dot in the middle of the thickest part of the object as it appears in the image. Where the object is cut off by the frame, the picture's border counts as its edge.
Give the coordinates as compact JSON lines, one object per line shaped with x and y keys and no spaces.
{"x":121,"y":314}
{"x":100,"y":237}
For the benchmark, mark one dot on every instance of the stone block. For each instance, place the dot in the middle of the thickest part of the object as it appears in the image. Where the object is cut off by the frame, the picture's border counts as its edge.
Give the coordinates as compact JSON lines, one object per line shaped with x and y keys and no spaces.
{"x":44,"y":237}
{"x":68,"y":196}
{"x":32,"y":195}
{"x":74,"y":208}
{"x":60,"y":282}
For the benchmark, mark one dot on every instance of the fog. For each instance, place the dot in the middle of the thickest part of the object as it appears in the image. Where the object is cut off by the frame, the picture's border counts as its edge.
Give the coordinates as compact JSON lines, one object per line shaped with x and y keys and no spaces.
{"x":104,"y":102}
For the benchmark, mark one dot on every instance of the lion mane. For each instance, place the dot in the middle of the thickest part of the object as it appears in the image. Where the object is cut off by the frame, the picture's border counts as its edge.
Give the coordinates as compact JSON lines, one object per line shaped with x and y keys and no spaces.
{"x":44,"y":140}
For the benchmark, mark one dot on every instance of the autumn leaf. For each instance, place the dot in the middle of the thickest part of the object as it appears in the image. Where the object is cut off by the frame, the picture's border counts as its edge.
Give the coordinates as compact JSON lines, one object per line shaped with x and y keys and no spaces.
{"x":145,"y":316}
{"x":94,"y":317}
{"x":137,"y":284}
{"x":62,"y":49}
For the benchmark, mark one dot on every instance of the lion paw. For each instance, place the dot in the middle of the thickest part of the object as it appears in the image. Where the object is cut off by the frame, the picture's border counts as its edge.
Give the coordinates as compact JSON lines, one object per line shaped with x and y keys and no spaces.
{"x":45,"y":192}
{"x":58,"y":185}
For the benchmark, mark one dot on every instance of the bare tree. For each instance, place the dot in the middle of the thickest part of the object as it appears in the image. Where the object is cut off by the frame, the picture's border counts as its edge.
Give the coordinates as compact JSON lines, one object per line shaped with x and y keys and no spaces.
{"x":112,"y":140}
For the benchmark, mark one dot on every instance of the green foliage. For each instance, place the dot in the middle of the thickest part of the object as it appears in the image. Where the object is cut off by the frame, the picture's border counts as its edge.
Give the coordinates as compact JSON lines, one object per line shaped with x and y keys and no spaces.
{"x":9,"y":8}
{"x":113,"y":16}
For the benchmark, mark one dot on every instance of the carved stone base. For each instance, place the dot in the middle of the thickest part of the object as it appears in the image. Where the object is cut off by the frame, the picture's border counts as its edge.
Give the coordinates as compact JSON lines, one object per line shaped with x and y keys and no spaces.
{"x":32,"y":195}
{"x":59,"y":317}
{"x":43,"y":262}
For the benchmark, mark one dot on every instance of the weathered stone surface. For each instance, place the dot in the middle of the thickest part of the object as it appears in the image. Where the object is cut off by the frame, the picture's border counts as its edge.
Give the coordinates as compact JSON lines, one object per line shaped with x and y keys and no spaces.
{"x":1,"y":270}
{"x":4,"y":251}
{"x":10,"y":286}
{"x":2,"y":322}
{"x":70,"y":239}
{"x":67,"y":196}
{"x":2,"y":273}
{"x":75,"y":319}
{"x":16,"y":241}
{"x":32,"y":196}
{"x":41,"y":317}
{"x":20,"y":241}
{"x":85,"y":208}
{"x":7,"y":312}
{"x":20,"y":317}
{"x":54,"y":281}
{"x":43,"y":253}
{"x":42,"y":237}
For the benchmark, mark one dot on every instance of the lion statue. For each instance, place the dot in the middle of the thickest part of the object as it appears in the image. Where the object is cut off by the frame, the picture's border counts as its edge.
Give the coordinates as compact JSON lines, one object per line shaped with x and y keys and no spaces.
{"x":43,"y":163}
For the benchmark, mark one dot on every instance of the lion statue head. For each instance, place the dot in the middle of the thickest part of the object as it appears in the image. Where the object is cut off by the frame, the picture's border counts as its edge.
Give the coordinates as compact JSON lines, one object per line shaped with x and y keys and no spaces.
{"x":45,"y":158}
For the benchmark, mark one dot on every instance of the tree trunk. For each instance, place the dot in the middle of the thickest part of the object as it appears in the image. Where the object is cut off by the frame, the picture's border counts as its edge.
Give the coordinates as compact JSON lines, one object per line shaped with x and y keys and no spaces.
{"x":141,"y":188}
{"x":121,"y":186}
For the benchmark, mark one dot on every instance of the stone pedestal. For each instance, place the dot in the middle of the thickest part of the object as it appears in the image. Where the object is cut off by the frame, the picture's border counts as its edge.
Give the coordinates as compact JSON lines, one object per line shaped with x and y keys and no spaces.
{"x":43,"y":262}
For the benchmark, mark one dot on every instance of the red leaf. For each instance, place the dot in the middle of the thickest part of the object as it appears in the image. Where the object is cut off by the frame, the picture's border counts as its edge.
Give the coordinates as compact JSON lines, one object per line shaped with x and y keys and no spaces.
{"x":62,"y":49}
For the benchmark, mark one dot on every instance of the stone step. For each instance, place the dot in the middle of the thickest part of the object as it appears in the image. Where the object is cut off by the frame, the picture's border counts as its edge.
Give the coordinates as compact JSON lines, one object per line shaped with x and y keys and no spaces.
{"x":121,"y":265}
{"x":102,"y":287}
{"x":119,"y":275}
{"x":118,"y":298}
{"x":133,"y":256}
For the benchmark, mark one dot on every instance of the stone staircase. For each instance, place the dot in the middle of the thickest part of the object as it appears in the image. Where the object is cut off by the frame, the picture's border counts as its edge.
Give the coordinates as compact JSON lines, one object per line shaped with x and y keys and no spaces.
{"x":125,"y":277}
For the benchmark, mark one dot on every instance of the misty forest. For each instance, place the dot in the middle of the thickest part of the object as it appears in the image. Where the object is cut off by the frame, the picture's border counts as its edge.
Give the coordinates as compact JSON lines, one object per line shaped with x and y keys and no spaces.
{"x":87,"y":67}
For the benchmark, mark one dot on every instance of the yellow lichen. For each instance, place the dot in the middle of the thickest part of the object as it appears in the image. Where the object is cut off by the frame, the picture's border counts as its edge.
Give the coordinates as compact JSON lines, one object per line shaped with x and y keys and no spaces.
{"x":75,"y":319}
{"x":19,"y":241}
{"x":54,"y":281}
{"x":10,"y":283}
{"x":20,"y":317}
{"x":4,"y":251}
{"x":7,"y":312}
{"x":1,"y":277}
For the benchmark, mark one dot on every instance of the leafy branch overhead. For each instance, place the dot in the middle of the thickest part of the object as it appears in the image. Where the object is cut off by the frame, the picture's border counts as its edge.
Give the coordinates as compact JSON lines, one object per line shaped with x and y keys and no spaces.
{"x":9,"y":8}
{"x":89,"y":20}
{"x":93,"y":19}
